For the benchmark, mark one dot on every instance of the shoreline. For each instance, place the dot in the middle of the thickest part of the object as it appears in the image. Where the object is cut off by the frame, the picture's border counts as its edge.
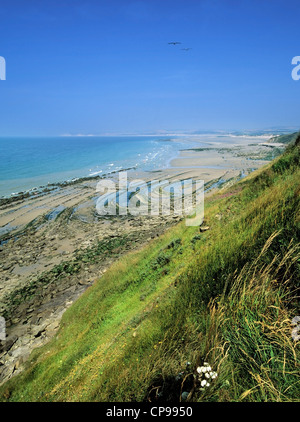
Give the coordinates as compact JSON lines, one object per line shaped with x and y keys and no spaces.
{"x":195,"y":139}
{"x":104,"y":156}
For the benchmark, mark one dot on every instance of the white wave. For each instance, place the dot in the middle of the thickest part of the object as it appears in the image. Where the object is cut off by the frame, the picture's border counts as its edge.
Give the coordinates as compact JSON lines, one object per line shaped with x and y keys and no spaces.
{"x":95,"y":173}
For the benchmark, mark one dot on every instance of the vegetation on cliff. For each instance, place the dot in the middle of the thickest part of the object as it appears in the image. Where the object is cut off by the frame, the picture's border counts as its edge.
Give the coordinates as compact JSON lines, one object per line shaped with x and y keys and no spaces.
{"x":225,"y":296}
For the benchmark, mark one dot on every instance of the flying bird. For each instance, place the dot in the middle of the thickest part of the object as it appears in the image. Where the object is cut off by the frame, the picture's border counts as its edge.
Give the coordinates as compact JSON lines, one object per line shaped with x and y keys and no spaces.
{"x":186,"y":49}
{"x":174,"y":42}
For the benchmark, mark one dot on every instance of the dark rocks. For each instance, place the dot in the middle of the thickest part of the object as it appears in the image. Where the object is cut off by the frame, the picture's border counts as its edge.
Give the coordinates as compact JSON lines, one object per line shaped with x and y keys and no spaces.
{"x":83,"y":282}
{"x":172,"y":388}
{"x":7,"y":267}
{"x":8,"y":343}
{"x":184,"y":395}
{"x":38,"y":330}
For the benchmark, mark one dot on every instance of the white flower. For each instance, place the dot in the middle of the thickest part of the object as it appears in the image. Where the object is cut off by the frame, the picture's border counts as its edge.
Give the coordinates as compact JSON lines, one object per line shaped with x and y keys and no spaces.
{"x":207,"y":371}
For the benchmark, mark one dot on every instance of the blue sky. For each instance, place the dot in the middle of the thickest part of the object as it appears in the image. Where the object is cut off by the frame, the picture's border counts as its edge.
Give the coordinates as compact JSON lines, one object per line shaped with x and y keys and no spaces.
{"x":106,"y":66}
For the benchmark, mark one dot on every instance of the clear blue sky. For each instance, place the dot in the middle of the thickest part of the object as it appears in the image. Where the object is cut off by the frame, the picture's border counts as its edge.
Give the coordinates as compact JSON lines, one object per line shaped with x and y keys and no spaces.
{"x":90,"y":66}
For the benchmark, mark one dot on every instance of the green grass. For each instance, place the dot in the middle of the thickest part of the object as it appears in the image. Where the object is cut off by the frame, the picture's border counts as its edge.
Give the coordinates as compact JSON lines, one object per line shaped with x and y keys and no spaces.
{"x":225,"y":296}
{"x":286,"y":139}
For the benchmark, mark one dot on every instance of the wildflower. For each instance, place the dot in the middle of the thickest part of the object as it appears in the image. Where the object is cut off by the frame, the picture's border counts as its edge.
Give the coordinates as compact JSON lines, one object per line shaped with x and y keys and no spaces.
{"x":205,"y":373}
{"x":207,"y":366}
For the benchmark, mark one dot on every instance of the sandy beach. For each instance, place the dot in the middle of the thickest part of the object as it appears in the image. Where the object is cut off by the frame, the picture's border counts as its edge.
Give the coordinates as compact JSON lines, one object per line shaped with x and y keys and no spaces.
{"x":49,"y":237}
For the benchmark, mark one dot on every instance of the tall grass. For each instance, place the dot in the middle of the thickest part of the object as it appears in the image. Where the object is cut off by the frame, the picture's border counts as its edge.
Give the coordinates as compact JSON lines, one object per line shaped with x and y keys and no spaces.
{"x":248,"y":336}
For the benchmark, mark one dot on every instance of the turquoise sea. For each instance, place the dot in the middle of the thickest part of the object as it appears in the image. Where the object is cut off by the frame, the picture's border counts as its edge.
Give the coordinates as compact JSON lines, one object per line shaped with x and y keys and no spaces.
{"x":27,"y":163}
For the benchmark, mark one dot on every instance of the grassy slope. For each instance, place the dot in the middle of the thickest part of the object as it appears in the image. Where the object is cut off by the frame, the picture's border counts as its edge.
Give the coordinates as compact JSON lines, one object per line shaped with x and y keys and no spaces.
{"x":223,"y":296}
{"x":286,"y":139}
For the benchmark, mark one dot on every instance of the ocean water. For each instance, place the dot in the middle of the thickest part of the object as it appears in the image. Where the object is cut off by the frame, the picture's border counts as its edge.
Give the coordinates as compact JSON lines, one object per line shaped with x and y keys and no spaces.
{"x":27,"y":163}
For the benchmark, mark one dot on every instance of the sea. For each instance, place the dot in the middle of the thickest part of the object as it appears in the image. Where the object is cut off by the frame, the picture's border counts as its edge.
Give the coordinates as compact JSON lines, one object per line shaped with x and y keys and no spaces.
{"x":34,"y":162}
